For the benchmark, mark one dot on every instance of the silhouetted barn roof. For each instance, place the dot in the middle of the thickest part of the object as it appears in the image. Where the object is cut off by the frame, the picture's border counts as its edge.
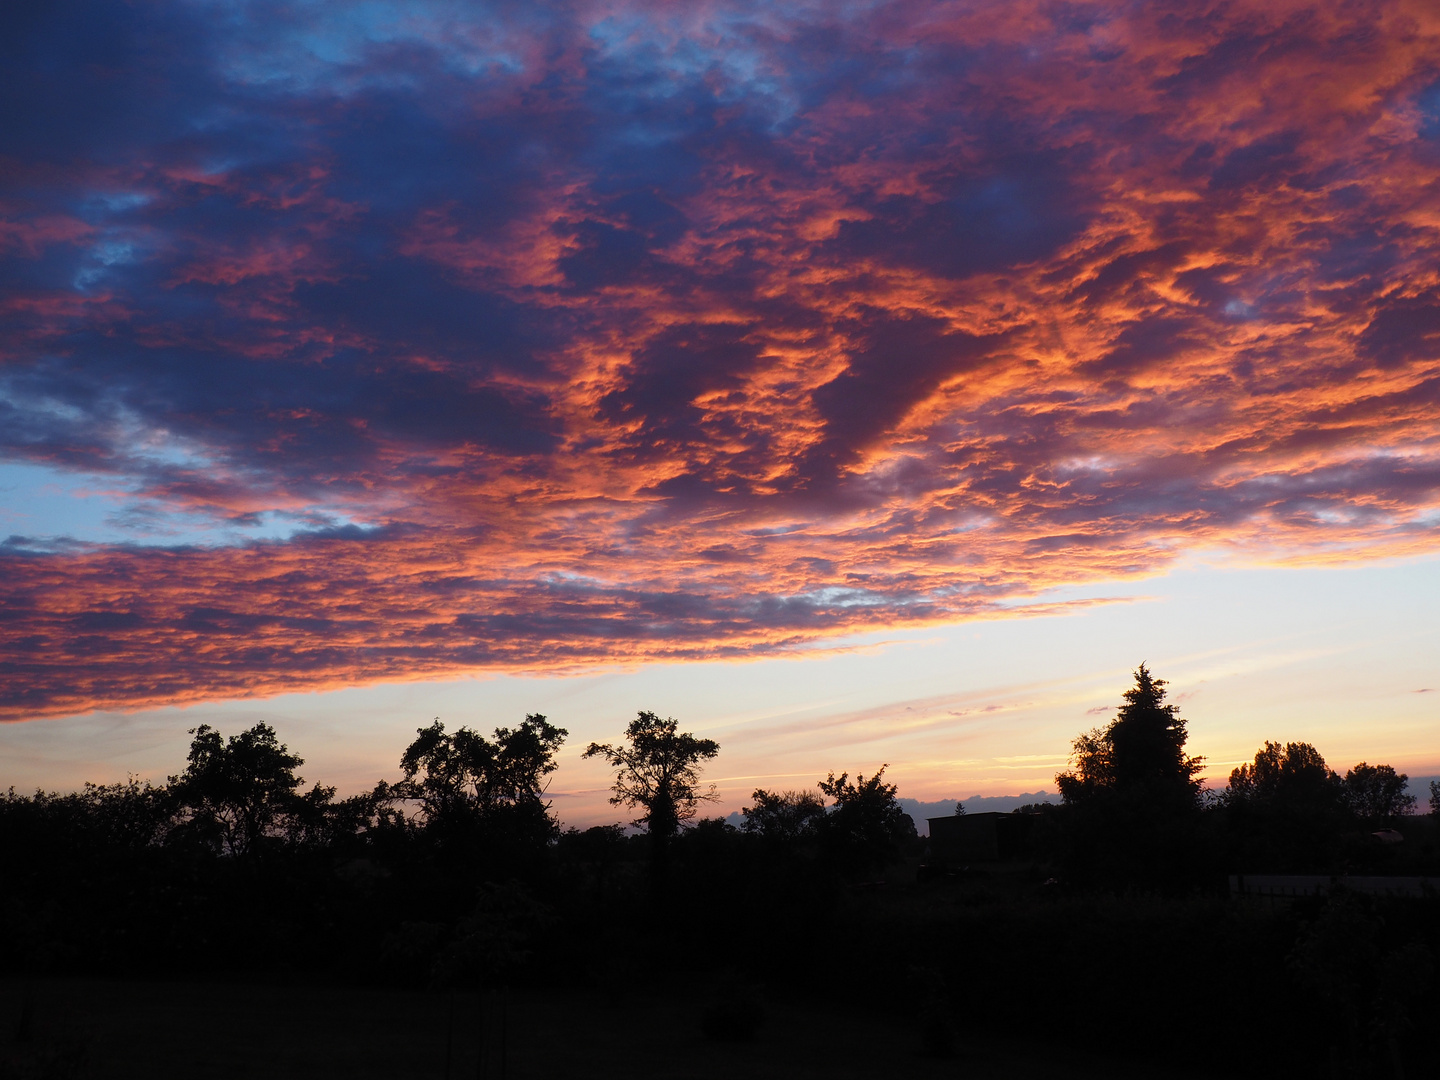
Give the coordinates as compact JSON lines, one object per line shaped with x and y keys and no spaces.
{"x":968,"y":838}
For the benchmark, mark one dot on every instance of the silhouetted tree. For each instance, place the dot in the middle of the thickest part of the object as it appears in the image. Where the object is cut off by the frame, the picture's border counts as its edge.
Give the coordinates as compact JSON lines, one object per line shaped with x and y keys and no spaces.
{"x":473,"y":791}
{"x":464,"y":772}
{"x":495,"y":942}
{"x":594,"y":856}
{"x":1294,"y":774}
{"x":1141,"y":750}
{"x":1132,"y":797}
{"x":133,"y":814}
{"x":1435,"y":797}
{"x":235,"y":794}
{"x":784,"y":818}
{"x":658,"y":773}
{"x":348,"y":826}
{"x":865,"y":829}
{"x":1285,"y":810}
{"x":1376,"y":793}
{"x":84,"y":826}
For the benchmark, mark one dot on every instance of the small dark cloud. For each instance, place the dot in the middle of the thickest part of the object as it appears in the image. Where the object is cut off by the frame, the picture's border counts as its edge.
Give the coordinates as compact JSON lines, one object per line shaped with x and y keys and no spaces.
{"x":1403,"y":330}
{"x":894,"y":364}
{"x":604,"y":255}
{"x":723,"y":553}
{"x":1124,"y":272}
{"x":664,"y":380}
{"x":1145,"y":344}
{"x":399,"y":308}
{"x":1265,"y":161}
{"x":1020,"y":213}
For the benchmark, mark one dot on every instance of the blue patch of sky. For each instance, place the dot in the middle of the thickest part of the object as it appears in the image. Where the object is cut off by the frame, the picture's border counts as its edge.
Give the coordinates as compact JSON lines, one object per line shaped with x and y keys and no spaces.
{"x":100,"y":203}
{"x":665,"y":59}
{"x":839,"y":596}
{"x":778,"y":530}
{"x":46,"y":506}
{"x":112,"y":251}
{"x":1429,"y":103}
{"x":313,"y":45}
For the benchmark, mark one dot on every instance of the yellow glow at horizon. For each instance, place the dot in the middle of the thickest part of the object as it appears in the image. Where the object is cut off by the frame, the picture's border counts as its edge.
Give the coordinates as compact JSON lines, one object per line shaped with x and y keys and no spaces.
{"x":1345,"y":658}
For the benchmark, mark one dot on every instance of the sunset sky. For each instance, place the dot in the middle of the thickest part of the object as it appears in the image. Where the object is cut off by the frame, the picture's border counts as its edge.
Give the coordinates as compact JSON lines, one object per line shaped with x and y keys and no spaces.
{"x":856,"y":382}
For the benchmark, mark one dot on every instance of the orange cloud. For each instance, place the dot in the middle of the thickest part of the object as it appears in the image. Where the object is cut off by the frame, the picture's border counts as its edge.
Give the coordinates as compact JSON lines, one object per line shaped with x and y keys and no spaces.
{"x":623,"y":338}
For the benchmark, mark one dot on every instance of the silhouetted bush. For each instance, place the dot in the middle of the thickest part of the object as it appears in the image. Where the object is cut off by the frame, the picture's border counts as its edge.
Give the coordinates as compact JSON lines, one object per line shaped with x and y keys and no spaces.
{"x":865,"y":829}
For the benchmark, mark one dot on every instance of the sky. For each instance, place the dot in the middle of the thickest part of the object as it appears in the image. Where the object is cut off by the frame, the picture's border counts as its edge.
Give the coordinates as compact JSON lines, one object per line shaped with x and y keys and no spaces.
{"x":860,"y":383}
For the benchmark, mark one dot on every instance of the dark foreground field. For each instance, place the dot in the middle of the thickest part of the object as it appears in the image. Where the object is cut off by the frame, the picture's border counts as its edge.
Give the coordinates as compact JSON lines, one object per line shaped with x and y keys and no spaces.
{"x":214,"y":928}
{"x":216,"y":1031}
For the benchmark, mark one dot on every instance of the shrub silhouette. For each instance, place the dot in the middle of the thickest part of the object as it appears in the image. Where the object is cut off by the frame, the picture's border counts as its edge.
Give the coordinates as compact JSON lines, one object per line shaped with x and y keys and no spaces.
{"x":865,"y":829}
{"x":785,"y":819}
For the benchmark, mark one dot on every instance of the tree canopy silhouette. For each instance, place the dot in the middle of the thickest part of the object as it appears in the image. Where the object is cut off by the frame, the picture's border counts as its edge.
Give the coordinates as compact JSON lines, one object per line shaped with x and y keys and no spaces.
{"x":784,"y":818}
{"x":1141,"y":750}
{"x":237,"y":793}
{"x":866,"y":828}
{"x":1132,"y":796}
{"x":1376,"y":793}
{"x":465,"y":773}
{"x":475,"y":791}
{"x":1285,"y":810}
{"x":1292,"y":775}
{"x":453,"y":876}
{"x":658,"y":772}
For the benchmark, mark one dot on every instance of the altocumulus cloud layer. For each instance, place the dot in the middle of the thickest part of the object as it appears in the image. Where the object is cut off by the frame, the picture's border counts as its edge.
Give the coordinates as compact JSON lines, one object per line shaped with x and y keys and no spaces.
{"x":643,"y":330}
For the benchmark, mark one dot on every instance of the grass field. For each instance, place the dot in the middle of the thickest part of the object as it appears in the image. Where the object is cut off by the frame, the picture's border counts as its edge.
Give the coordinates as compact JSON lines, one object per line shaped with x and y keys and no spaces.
{"x":213,"y":1030}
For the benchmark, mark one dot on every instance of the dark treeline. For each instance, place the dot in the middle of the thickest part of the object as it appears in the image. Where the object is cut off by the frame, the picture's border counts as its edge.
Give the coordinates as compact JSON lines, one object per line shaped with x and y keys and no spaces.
{"x":1114,"y":912}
